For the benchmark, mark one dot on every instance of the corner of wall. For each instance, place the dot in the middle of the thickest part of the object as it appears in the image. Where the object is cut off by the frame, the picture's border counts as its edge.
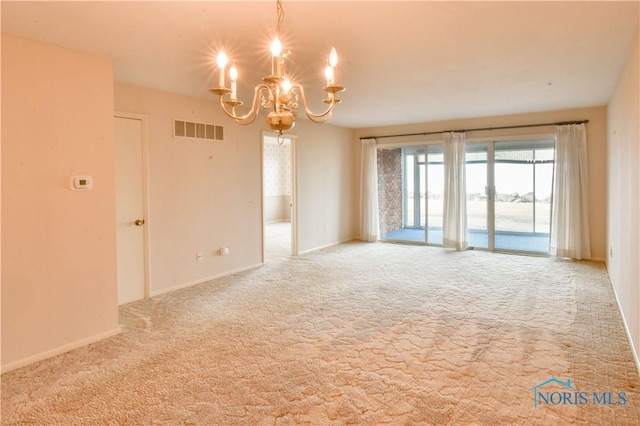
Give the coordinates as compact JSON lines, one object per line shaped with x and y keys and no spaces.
{"x":58,"y":245}
{"x":623,"y":194}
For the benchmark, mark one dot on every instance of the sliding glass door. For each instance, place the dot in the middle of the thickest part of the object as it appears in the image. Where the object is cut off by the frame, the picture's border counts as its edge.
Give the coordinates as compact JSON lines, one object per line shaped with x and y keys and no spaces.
{"x":522,"y":199}
{"x":435,"y":193}
{"x":414,"y":185}
{"x":477,"y":195}
{"x":509,"y":188}
{"x":508,"y":184}
{"x":410,"y":190}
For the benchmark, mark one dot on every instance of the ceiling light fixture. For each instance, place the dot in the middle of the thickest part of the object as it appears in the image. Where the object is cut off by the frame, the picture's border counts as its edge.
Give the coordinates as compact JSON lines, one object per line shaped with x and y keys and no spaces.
{"x":276,"y":92}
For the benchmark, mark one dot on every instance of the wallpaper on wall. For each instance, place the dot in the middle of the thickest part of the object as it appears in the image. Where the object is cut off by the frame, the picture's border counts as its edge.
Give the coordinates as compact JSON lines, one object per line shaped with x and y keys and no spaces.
{"x":277,"y":166}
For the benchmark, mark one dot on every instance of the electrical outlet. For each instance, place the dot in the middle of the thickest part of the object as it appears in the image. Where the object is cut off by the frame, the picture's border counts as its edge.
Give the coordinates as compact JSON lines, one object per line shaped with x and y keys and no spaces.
{"x":199,"y":256}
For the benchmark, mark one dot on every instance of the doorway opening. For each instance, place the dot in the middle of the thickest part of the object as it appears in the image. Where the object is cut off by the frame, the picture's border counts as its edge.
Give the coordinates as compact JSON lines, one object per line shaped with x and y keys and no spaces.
{"x":278,"y":199}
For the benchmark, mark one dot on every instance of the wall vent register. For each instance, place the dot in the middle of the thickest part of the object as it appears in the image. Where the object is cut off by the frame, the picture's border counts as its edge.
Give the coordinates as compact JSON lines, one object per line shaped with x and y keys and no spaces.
{"x":189,"y":129}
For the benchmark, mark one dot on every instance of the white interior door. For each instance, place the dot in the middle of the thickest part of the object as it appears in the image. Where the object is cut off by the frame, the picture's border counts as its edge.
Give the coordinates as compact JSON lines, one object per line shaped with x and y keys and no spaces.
{"x":130,"y":220}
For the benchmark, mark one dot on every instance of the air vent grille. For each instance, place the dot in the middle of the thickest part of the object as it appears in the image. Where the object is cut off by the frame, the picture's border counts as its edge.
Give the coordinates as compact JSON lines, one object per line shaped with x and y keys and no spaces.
{"x":189,"y":129}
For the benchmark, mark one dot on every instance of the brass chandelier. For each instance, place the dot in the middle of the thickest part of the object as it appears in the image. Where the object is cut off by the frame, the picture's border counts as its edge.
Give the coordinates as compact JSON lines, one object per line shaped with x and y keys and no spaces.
{"x":276,"y":91}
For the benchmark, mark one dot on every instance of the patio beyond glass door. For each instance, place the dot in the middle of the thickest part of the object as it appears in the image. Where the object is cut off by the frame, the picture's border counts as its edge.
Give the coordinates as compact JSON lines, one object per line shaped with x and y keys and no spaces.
{"x":414,"y":188}
{"x":423,"y":190}
{"x":477,"y":195}
{"x":508,"y":184}
{"x":410,"y":194}
{"x":523,"y":176}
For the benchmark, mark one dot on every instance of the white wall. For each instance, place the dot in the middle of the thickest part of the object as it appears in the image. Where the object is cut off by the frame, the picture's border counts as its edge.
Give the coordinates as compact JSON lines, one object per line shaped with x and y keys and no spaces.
{"x":207,"y":194}
{"x":597,"y":150}
{"x":328,"y":185}
{"x":623,"y":261}
{"x":58,"y":246}
{"x":202,"y":194}
{"x":277,"y":208}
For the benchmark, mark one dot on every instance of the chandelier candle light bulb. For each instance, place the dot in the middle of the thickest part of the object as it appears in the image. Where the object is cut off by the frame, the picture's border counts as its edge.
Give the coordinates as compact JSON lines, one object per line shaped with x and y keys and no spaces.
{"x":233,"y":73}
{"x":276,"y":51}
{"x":286,"y":85}
{"x":221,"y":60}
{"x":276,"y":92}
{"x":333,"y":63}
{"x":333,"y":58}
{"x":328,"y":73}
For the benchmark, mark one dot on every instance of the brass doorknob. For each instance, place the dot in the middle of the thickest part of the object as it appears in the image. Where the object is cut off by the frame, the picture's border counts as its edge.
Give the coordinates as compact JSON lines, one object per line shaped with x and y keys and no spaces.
{"x":139,"y":222}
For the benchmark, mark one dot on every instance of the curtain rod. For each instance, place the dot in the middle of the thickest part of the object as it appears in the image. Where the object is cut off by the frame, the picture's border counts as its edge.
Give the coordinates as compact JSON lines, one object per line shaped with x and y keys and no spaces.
{"x":558,"y":123}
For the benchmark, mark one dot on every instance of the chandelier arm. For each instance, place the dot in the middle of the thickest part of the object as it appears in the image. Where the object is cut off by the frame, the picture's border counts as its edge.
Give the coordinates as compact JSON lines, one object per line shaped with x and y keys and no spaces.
{"x":316,"y":118}
{"x":321,"y":119}
{"x":251,"y":116}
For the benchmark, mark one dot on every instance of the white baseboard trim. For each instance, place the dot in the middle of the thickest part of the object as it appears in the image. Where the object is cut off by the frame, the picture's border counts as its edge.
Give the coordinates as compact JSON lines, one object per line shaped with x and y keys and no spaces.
{"x":327,"y":245}
{"x":270,"y":222}
{"x":626,"y":326}
{"x":59,"y":350}
{"x":205,"y":279}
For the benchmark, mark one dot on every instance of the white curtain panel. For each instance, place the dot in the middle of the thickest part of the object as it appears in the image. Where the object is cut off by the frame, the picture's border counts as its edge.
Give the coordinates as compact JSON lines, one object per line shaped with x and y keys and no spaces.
{"x":369,"y":223}
{"x":454,"y":229}
{"x":570,"y":217}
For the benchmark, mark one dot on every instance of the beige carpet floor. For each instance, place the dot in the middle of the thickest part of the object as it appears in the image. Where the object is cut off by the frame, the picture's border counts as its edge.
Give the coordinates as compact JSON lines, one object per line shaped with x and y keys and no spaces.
{"x":277,"y":244}
{"x":354,"y":334}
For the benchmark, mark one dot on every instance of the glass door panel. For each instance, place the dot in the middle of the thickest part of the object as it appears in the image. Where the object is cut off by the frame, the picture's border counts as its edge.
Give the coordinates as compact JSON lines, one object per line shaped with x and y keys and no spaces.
{"x":435,"y":193}
{"x":477,"y":212}
{"x":409,"y":190}
{"x":509,"y":192}
{"x":523,"y":174}
{"x":422,"y":179}
{"x":406,"y":170}
{"x":543,"y":189}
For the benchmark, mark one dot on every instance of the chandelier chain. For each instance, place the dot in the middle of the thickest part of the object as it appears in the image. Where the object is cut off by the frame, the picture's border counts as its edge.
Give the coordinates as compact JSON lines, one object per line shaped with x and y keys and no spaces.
{"x":280,"y":11}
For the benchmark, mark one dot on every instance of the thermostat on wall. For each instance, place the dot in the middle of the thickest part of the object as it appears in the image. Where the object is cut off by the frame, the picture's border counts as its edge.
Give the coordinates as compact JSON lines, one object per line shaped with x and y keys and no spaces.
{"x":81,"y":183}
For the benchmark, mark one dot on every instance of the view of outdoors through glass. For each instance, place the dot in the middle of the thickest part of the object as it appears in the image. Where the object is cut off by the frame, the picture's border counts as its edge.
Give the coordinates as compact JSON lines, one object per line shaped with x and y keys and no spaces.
{"x":520,"y":198}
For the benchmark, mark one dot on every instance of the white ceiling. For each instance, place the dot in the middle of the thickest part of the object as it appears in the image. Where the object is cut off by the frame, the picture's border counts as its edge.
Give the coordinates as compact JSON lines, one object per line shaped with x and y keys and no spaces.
{"x":401,"y":61}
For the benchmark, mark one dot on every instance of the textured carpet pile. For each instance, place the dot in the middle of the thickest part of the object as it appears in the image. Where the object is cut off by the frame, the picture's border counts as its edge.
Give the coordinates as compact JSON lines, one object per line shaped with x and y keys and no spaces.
{"x":354,"y":334}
